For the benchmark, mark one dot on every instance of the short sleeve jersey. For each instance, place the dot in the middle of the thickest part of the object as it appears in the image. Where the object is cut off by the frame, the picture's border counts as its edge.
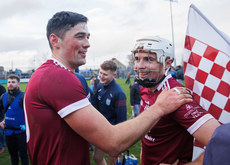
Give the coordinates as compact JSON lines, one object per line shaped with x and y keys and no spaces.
{"x":171,"y":138}
{"x":54,"y":92}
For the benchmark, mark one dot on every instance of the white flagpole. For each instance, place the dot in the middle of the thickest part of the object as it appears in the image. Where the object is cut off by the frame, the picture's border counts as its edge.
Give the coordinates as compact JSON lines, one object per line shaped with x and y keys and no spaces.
{"x":172,"y":33}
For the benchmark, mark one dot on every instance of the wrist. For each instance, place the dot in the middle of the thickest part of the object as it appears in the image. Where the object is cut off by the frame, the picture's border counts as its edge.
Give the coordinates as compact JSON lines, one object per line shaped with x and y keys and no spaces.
{"x":158,"y":110}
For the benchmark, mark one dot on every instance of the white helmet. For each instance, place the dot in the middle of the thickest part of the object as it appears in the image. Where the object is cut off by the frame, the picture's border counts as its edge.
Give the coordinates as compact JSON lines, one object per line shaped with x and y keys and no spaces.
{"x":162,"y":47}
{"x":153,"y":44}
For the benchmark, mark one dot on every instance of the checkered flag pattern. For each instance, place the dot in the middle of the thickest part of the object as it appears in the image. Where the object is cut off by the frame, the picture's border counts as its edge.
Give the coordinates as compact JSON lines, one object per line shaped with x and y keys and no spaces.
{"x":207,"y":68}
{"x":207,"y":74}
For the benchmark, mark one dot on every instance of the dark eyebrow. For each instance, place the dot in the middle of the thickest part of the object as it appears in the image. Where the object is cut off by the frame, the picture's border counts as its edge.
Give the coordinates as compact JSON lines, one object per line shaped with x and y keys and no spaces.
{"x":82,"y":33}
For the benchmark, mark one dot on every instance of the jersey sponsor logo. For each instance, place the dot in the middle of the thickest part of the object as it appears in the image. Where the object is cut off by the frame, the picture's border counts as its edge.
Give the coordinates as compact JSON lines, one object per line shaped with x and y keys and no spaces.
{"x":108,"y":101}
{"x":149,"y":138}
{"x":147,"y":105}
{"x":193,"y":111}
{"x":9,"y":118}
{"x":188,"y":107}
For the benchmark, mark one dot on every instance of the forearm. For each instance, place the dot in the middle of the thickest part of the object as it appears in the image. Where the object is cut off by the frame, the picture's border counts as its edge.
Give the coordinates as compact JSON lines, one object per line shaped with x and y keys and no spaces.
{"x":129,"y":132}
{"x":92,"y":126}
{"x":198,"y":161}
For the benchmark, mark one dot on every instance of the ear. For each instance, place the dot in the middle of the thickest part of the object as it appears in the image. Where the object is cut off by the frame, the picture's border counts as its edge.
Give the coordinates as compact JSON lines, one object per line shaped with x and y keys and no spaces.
{"x":168,"y":63}
{"x":55,"y":41}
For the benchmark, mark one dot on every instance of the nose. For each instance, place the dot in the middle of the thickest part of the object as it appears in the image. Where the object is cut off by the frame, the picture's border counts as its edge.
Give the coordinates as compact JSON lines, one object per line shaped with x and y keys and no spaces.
{"x":140,"y":64}
{"x":86,"y":43}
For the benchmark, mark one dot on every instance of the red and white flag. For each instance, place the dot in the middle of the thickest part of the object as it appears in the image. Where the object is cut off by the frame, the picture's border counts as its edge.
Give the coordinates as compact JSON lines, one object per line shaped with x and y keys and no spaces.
{"x":207,"y":65}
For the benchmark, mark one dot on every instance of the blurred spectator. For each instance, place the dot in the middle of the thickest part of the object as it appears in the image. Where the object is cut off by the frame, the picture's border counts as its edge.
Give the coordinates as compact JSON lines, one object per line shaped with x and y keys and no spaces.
{"x":11,"y":103}
{"x":135,"y":98}
{"x":127,"y":79}
{"x":172,"y":71}
{"x":179,"y":74}
{"x":2,"y":134}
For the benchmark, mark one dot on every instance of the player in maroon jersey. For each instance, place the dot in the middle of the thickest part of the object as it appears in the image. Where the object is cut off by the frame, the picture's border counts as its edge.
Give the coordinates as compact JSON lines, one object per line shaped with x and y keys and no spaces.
{"x":60,"y":121}
{"x":171,"y":139}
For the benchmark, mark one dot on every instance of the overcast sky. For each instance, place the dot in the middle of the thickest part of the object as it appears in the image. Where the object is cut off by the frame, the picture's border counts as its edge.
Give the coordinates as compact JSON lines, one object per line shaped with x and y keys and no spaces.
{"x":114,"y":26}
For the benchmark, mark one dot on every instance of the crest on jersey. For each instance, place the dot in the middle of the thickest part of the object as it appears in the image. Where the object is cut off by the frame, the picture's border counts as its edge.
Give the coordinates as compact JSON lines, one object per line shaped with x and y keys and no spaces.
{"x":108,"y":101}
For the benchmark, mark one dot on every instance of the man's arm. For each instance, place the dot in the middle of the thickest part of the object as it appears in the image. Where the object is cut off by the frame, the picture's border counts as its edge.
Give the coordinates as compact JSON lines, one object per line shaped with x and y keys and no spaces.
{"x":92,"y":126}
{"x":204,"y":133}
{"x":198,"y":161}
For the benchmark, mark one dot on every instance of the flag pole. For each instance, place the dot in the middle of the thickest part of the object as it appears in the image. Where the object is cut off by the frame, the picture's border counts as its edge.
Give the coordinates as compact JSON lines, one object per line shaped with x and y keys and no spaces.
{"x":172,"y":33}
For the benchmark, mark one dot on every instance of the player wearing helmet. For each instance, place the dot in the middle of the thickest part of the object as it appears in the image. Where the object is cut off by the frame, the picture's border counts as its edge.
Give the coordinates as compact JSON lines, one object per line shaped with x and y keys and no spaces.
{"x":171,"y":139}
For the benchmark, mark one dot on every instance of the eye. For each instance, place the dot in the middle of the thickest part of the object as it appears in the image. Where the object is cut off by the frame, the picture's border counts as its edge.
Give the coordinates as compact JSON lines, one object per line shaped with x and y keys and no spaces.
{"x":151,"y":59}
{"x":80,"y":37}
{"x":136,"y":58}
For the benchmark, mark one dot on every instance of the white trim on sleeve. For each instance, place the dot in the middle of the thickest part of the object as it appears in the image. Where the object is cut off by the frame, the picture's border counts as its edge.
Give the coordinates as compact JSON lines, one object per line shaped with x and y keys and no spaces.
{"x":73,"y":107}
{"x":193,"y":128}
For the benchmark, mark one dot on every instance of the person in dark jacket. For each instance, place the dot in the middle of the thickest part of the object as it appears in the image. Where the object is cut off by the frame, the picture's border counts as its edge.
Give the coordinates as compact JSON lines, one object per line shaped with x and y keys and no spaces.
{"x":2,"y":134}
{"x":135,"y":98}
{"x":11,"y":104}
{"x":179,"y":74}
{"x":110,"y":100}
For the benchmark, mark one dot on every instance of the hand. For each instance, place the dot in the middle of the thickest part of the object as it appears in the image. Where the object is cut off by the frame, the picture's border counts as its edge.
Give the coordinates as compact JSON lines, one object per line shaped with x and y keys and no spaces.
{"x":2,"y":124}
{"x":170,"y":100}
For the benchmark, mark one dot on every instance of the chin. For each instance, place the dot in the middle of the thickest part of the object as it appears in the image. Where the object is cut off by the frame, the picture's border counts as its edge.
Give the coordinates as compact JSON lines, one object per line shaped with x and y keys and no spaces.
{"x":81,"y":63}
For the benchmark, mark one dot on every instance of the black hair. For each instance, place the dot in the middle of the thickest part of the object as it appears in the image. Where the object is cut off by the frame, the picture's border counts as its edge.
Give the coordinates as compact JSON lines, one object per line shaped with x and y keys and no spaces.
{"x":62,"y":22}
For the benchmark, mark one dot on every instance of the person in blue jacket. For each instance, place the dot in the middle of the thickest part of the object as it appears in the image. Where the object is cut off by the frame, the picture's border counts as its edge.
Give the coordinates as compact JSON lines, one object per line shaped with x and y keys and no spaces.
{"x":110,"y":101}
{"x":11,"y":104}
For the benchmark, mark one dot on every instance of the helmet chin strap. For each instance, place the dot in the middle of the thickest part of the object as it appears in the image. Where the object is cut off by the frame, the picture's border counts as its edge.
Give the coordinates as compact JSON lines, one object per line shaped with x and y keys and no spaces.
{"x":147,"y":82}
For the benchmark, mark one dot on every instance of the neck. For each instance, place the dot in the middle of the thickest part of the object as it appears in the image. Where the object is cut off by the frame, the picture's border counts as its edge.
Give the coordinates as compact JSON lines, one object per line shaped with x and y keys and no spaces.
{"x":13,"y":91}
{"x":108,"y":83}
{"x":63,"y":62}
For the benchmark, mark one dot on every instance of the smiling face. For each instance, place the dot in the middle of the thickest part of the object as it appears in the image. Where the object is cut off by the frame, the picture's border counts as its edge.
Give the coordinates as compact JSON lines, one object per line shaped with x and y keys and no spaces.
{"x":147,"y":67}
{"x":72,"y":49}
{"x":106,"y":76}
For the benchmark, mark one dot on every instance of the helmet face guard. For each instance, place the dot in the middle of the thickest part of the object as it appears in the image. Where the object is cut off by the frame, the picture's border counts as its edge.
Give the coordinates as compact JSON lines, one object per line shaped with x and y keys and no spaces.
{"x":163,"y":50}
{"x":148,"y":83}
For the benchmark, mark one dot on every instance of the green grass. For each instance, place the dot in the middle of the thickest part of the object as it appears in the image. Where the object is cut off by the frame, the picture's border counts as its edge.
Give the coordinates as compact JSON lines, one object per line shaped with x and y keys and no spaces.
{"x":135,"y":149}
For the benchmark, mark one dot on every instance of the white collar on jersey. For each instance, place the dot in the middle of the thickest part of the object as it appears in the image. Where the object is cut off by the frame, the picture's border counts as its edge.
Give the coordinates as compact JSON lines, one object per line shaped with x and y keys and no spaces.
{"x":56,"y":62}
{"x":164,"y":83}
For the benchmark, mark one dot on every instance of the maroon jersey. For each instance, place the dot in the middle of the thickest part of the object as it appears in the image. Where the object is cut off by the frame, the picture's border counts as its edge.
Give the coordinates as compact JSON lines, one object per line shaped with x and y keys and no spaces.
{"x":52,"y":93}
{"x":171,"y":138}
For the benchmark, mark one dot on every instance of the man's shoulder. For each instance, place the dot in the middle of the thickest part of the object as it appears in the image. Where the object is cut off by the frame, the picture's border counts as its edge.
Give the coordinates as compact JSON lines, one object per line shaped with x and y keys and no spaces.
{"x":118,"y":88}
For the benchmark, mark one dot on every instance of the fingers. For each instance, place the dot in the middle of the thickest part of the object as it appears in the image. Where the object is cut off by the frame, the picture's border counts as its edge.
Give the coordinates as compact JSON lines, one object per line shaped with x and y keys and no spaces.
{"x":171,"y":100}
{"x":182,"y":90}
{"x":177,"y":90}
